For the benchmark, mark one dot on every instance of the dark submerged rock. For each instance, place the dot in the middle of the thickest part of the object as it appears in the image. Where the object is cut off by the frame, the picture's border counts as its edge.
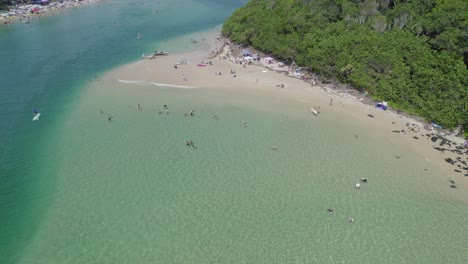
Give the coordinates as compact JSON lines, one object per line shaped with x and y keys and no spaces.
{"x":449,"y":160}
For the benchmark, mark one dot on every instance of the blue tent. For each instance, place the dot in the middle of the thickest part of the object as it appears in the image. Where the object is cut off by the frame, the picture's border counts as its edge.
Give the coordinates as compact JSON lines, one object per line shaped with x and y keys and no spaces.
{"x":246,"y":53}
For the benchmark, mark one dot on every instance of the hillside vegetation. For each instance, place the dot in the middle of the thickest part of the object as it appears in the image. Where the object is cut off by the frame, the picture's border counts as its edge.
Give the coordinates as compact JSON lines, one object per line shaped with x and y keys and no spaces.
{"x":411,"y":53}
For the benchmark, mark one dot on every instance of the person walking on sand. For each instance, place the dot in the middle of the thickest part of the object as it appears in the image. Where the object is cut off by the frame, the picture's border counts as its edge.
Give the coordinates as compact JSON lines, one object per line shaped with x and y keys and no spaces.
{"x":183,"y":77}
{"x":331,"y":102}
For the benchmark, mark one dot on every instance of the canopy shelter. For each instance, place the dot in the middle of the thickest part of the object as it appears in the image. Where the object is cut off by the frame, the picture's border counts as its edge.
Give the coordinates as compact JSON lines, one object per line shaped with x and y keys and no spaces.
{"x":269,"y":59}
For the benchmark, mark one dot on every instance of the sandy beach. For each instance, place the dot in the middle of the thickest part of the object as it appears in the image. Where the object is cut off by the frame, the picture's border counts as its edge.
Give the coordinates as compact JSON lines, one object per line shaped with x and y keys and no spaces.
{"x":118,"y":170}
{"x":206,"y":70}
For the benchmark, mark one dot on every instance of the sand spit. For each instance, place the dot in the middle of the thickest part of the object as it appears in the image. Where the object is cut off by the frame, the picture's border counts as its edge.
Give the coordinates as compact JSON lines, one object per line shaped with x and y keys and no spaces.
{"x":219,"y":68}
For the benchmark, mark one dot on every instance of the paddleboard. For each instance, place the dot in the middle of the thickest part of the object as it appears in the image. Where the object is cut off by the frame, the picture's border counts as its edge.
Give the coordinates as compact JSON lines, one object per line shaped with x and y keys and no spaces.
{"x":36,"y":117}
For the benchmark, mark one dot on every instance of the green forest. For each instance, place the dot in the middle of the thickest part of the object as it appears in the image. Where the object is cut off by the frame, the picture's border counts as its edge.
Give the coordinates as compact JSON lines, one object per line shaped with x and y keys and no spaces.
{"x":411,"y":53}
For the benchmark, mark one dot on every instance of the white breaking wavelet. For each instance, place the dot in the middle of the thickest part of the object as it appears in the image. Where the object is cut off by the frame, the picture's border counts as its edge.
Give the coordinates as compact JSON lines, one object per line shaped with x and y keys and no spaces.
{"x":139,"y":82}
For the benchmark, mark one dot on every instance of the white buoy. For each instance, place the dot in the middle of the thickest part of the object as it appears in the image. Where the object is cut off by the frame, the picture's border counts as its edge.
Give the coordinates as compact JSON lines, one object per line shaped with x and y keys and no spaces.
{"x":358,"y":185}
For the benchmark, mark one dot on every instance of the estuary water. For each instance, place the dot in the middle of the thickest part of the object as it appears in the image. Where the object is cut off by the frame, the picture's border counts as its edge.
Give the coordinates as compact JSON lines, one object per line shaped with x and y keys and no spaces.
{"x":45,"y":65}
{"x":78,"y":188}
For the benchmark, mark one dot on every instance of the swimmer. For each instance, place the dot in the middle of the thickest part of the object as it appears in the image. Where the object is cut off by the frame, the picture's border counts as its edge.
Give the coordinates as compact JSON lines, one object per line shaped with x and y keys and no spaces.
{"x":350,"y":219}
{"x":109,"y":118}
{"x":159,"y":112}
{"x":139,"y":107}
{"x":100,"y":111}
{"x":274,"y":148}
{"x":165,"y":106}
{"x":330,"y":210}
{"x":167,"y":112}
{"x":363,"y":179}
{"x":245,"y":123}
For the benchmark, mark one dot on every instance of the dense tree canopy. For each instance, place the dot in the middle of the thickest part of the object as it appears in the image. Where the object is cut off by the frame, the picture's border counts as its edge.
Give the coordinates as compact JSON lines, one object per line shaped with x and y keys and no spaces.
{"x":411,"y":53}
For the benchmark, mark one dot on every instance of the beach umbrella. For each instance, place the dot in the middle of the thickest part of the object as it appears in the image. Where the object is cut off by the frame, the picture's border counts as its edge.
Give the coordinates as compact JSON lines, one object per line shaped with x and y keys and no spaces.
{"x":44,"y":1}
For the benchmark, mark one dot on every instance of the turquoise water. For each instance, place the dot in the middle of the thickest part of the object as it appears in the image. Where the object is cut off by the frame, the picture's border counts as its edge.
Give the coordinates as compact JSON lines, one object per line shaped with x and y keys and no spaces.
{"x":45,"y":64}
{"x":76,"y":188}
{"x":131,"y":191}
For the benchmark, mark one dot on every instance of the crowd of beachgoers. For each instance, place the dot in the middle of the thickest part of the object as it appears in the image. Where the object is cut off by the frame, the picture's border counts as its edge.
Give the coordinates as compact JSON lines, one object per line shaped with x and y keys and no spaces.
{"x":24,"y":13}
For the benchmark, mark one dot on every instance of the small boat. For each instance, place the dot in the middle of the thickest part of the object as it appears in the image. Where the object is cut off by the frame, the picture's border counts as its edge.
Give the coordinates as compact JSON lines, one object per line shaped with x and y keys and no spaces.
{"x":159,"y":53}
{"x":314,"y":111}
{"x":36,"y":117}
{"x":139,"y":36}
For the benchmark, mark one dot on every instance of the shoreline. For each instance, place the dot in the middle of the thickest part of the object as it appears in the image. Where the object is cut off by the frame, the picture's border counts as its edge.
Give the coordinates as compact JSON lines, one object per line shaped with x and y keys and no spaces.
{"x":22,"y":12}
{"x":202,"y":68}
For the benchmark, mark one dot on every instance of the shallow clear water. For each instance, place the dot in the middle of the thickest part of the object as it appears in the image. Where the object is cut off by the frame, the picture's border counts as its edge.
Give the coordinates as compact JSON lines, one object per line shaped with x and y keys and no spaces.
{"x":131,"y":191}
{"x":45,"y":65}
{"x":80,"y":189}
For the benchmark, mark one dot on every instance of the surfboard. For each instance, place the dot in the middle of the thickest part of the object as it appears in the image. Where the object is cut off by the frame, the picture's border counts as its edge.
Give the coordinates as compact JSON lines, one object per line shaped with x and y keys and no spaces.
{"x":36,"y":117}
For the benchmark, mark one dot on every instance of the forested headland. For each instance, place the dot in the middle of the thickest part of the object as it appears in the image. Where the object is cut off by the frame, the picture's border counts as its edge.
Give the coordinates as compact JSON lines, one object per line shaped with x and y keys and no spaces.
{"x":411,"y":53}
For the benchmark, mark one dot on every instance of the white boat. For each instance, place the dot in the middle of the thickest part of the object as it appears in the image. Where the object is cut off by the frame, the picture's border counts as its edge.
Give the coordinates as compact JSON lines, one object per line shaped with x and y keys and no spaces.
{"x":314,"y":111}
{"x":149,"y":57}
{"x":36,"y":117}
{"x":159,"y":53}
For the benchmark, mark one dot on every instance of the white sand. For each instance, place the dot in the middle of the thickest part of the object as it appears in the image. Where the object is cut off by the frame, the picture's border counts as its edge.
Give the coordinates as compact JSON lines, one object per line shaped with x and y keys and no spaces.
{"x":161,"y":71}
